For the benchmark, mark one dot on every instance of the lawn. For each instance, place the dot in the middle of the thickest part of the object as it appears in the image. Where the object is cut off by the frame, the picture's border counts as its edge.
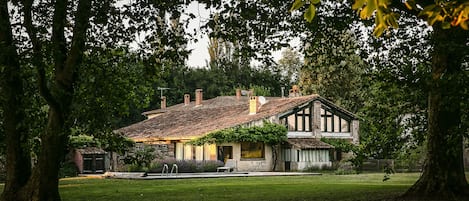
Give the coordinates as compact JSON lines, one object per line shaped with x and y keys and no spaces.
{"x":324,"y":187}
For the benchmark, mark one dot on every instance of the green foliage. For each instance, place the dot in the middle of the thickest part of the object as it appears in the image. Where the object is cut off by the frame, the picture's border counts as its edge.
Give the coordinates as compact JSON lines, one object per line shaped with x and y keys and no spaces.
{"x":447,"y":13}
{"x":345,"y":167}
{"x":289,"y":66}
{"x":186,"y":166}
{"x":340,"y":144}
{"x":394,"y":108}
{"x":112,"y":89}
{"x":260,"y":90}
{"x":346,"y":146}
{"x":410,"y":160}
{"x":141,"y":158}
{"x":112,"y":142}
{"x":334,"y":69}
{"x":68,"y":169}
{"x":82,"y":141}
{"x":269,"y":133}
{"x":115,"y":142}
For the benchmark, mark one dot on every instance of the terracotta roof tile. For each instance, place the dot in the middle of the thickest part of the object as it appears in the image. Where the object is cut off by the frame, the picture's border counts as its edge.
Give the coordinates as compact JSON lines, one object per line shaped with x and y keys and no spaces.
{"x":91,"y":150}
{"x":308,"y":143}
{"x":187,"y":122}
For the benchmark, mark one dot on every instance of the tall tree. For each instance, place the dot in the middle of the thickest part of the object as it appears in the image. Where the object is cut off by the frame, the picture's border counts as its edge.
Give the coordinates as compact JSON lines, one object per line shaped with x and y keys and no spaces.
{"x":334,"y":68}
{"x":53,"y":37}
{"x":443,"y":175}
{"x":18,"y":166}
{"x":289,"y":65}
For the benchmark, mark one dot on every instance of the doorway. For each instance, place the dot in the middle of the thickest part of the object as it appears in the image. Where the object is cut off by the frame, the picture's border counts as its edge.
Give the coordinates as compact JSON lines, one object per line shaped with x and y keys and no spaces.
{"x":93,"y":163}
{"x":224,"y":153}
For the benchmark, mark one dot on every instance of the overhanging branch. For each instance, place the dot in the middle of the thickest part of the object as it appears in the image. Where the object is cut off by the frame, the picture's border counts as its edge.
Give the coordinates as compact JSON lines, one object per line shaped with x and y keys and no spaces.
{"x":37,"y":54}
{"x":78,"y":42}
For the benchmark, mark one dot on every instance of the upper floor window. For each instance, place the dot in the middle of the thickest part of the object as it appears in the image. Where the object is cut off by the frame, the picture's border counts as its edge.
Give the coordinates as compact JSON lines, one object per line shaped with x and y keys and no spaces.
{"x":332,"y":120}
{"x":333,"y":123}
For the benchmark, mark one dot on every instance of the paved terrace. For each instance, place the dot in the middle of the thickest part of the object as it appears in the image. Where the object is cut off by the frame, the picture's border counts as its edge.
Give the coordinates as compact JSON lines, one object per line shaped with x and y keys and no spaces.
{"x":149,"y":176}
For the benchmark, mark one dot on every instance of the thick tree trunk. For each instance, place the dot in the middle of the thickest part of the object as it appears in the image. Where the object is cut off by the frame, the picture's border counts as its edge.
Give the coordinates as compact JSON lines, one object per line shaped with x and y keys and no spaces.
{"x":44,"y":182}
{"x":18,"y":163}
{"x":18,"y":160}
{"x":443,"y":175}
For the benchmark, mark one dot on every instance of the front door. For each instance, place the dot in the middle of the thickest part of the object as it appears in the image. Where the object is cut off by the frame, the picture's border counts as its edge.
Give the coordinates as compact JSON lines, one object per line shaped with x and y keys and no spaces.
{"x":224,"y":153}
{"x":93,"y":163}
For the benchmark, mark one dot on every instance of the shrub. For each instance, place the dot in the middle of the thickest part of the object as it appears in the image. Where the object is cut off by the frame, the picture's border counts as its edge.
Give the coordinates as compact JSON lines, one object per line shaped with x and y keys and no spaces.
{"x":345,"y":167}
{"x":315,"y":168}
{"x":185,"y":166}
{"x":141,"y":158}
{"x":68,"y":169}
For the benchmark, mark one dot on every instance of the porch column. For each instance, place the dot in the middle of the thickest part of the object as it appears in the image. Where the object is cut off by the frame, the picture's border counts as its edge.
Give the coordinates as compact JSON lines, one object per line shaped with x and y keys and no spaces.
{"x":317,"y":119}
{"x":354,"y":131}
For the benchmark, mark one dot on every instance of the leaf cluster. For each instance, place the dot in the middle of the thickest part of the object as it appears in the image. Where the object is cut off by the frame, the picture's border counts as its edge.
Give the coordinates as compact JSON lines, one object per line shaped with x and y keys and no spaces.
{"x":340,"y":144}
{"x":142,"y":157}
{"x":334,"y":69}
{"x":111,"y":142}
{"x":269,"y":133}
{"x":447,"y":13}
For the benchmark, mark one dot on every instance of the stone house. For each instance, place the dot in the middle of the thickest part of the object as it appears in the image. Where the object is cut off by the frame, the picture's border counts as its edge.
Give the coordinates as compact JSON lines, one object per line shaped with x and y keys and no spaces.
{"x":308,"y":118}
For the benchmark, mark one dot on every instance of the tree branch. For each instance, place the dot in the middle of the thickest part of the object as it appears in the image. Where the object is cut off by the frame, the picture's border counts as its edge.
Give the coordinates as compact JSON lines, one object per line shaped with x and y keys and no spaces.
{"x":37,"y":54}
{"x":58,"y":36}
{"x":75,"y":55}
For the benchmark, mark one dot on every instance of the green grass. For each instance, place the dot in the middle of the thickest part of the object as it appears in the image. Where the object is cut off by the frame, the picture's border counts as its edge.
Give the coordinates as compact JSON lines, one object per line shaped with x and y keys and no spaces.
{"x":321,"y":188}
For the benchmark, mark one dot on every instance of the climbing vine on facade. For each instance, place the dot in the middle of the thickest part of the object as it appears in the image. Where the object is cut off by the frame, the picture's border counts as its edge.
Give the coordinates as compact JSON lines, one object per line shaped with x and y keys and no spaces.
{"x":269,"y":133}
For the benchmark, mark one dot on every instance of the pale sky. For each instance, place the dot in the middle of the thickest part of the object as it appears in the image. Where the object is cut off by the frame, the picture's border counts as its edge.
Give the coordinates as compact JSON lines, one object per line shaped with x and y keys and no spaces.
{"x":199,"y":54}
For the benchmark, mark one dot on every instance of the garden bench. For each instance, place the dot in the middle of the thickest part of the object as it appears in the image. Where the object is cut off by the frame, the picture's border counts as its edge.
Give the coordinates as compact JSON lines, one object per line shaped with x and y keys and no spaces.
{"x":230,"y":165}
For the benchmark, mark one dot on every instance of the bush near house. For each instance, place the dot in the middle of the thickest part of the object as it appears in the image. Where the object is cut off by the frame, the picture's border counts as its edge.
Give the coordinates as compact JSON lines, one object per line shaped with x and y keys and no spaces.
{"x":186,"y":166}
{"x":68,"y":169}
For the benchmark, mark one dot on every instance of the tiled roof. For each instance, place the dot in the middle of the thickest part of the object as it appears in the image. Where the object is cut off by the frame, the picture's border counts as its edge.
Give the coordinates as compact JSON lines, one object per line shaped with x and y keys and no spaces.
{"x":308,"y":143}
{"x":187,"y":122}
{"x":91,"y":150}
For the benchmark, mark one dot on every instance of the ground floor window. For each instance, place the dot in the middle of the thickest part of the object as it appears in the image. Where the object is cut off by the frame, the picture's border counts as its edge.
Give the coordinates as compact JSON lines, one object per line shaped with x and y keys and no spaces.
{"x":306,"y":155}
{"x":252,"y":150}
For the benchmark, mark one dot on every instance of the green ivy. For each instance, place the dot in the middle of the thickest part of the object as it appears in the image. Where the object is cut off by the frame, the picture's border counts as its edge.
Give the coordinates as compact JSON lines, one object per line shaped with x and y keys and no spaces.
{"x":269,"y":133}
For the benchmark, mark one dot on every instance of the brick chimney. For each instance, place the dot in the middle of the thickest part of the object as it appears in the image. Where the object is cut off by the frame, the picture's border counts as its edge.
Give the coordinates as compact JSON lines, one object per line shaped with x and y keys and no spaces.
{"x":187,"y":99}
{"x":294,"y":91}
{"x":253,"y":105}
{"x":198,"y":97}
{"x":238,"y":94}
{"x":163,"y":102}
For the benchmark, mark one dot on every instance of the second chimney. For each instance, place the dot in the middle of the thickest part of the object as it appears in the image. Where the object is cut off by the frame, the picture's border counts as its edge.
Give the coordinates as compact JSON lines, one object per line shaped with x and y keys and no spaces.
{"x":187,"y":99}
{"x":163,"y":102}
{"x":198,"y":97}
{"x":253,"y":105}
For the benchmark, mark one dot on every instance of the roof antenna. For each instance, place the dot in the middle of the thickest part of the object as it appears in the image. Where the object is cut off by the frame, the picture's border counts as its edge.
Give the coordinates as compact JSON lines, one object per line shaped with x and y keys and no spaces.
{"x":161,"y":90}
